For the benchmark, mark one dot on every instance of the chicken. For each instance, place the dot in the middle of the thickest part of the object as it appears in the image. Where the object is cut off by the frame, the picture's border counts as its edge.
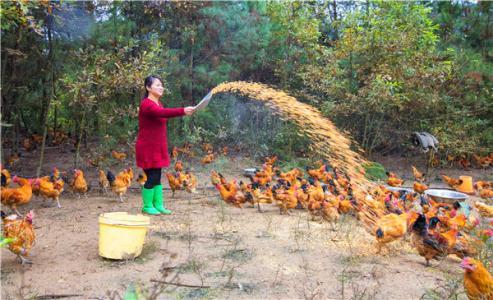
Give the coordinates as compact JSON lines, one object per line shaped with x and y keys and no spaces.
{"x":225,"y":150}
{"x":141,"y":179}
{"x":178,"y":166}
{"x":121,"y":156}
{"x":234,"y":197}
{"x":50,"y":190}
{"x":330,"y":213}
{"x":393,"y":180}
{"x":482,"y":162}
{"x":314,"y":208}
{"x":13,"y":159}
{"x":452,"y":182}
{"x":174,"y":153}
{"x":174,"y":183}
{"x":215,"y":178}
{"x":6,"y":178}
{"x":120,"y":183}
{"x":79,"y":184}
{"x":21,"y":232}
{"x":486,"y":193}
{"x":392,"y":227}
{"x":207,"y":147}
{"x":190,"y":182}
{"x":127,"y":173}
{"x":258,"y":196}
{"x":37,"y":138}
{"x":426,"y":245}
{"x":418,"y":175}
{"x":419,"y":187}
{"x":478,"y":185}
{"x":478,"y":282}
{"x":484,"y":209}
{"x":14,"y":197}
{"x":104,"y":184}
{"x":271,"y":160}
{"x":208,"y":158}
{"x":286,"y":200}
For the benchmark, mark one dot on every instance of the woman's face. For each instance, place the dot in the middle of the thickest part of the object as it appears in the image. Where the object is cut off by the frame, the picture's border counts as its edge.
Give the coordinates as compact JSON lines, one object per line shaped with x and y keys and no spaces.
{"x":156,"y":89}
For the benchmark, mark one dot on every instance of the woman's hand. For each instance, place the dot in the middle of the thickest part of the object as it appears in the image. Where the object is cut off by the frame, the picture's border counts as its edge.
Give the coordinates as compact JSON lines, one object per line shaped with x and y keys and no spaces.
{"x":189,"y":110}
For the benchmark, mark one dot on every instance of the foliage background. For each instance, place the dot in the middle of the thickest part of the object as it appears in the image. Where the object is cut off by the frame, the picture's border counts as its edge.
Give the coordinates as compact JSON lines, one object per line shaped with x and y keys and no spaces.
{"x":380,"y":70}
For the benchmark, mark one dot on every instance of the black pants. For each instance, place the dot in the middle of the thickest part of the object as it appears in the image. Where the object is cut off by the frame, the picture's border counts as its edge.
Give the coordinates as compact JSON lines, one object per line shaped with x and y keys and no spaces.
{"x":153,"y":178}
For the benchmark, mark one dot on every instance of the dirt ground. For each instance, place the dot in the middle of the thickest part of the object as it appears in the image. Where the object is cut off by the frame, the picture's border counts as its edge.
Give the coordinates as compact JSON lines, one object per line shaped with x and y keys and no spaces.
{"x":234,"y":253}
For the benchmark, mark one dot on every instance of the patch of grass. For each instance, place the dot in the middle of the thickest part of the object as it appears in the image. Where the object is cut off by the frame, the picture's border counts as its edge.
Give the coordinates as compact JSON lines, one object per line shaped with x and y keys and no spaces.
{"x":450,"y":289}
{"x":374,"y":171}
{"x":238,"y":254}
{"x":192,"y":266}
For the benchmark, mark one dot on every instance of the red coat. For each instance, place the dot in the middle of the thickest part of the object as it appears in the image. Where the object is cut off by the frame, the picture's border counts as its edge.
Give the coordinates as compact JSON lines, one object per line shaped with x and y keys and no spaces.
{"x":151,"y":148}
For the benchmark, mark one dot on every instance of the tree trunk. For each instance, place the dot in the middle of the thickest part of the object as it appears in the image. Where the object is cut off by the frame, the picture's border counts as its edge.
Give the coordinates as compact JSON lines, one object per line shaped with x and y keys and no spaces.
{"x":44,"y":122}
{"x":79,"y":138}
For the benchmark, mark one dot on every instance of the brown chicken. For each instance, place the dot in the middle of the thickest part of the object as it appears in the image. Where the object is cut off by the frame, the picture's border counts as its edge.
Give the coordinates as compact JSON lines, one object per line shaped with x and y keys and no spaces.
{"x":208,"y":158}
{"x":21,"y":231}
{"x":233,"y":197}
{"x":174,"y":153}
{"x":104,"y":184}
{"x":190,"y":182}
{"x":14,"y":159}
{"x":271,"y":160}
{"x":392,"y":227}
{"x":121,"y":156}
{"x":120,"y":183}
{"x":178,"y":166}
{"x":50,"y":190}
{"x":478,"y":185}
{"x":330,"y":213}
{"x":452,"y":182}
{"x":6,"y":178}
{"x":174,"y":183}
{"x":426,"y":245}
{"x":225,"y":150}
{"x":484,"y":209}
{"x":478,"y":282}
{"x":141,"y":179}
{"x":418,"y":175}
{"x":419,"y":187}
{"x":393,"y":180}
{"x":13,"y":197}
{"x":207,"y":147}
{"x":79,"y":184}
{"x":486,"y":193}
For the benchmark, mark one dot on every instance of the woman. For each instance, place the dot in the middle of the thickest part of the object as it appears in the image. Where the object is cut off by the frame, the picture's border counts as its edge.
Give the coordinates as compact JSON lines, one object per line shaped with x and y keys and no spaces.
{"x":151,"y":149}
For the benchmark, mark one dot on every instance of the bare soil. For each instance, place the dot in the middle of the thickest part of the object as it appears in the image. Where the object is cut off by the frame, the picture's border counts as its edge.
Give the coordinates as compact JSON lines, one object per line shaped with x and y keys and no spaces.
{"x":236,"y":253}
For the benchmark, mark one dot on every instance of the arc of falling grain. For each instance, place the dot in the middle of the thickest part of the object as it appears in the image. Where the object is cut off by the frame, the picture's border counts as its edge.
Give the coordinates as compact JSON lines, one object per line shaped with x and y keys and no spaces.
{"x":328,"y":142}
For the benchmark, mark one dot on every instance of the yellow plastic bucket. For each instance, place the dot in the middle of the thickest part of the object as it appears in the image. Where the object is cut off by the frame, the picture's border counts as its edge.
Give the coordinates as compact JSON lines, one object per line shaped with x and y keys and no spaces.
{"x":121,"y":235}
{"x":466,"y":186}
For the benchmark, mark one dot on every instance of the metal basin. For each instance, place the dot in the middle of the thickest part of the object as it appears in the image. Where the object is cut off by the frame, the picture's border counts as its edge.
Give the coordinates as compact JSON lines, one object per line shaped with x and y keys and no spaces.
{"x":249,"y":171}
{"x":399,"y":188}
{"x":445,"y":195}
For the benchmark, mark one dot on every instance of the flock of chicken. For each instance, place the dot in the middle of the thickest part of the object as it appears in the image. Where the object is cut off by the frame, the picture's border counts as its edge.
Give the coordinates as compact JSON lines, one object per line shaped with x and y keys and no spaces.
{"x":437,"y":229}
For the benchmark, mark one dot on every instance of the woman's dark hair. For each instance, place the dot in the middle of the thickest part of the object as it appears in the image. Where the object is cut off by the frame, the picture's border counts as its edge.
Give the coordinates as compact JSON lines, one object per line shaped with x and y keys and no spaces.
{"x":148,"y":83}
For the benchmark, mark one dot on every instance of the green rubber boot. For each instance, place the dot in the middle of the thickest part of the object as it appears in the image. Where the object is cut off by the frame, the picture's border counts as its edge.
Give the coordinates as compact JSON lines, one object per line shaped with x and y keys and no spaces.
{"x":158,"y":200}
{"x":147,"y":198}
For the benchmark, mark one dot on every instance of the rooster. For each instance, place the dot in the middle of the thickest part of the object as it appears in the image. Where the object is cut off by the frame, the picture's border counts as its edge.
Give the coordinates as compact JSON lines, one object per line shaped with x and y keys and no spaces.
{"x":14,"y":197}
{"x":190,"y":183}
{"x":174,"y":183}
{"x":104,"y":184}
{"x":79,"y":184}
{"x":21,"y":232}
{"x":119,"y":184}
